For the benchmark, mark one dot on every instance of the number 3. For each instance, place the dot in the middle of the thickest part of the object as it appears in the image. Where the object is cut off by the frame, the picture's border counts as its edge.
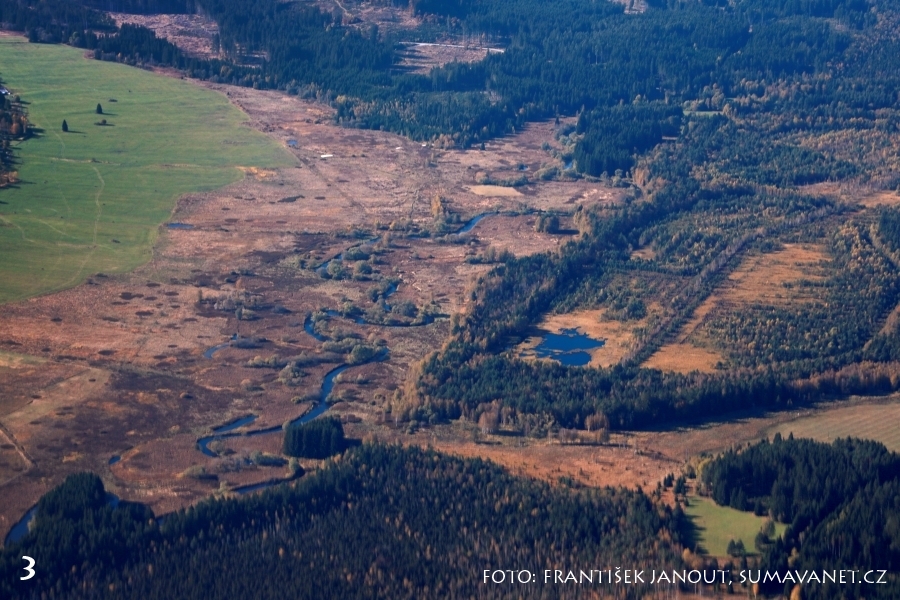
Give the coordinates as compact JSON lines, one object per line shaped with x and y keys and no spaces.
{"x":28,"y":568}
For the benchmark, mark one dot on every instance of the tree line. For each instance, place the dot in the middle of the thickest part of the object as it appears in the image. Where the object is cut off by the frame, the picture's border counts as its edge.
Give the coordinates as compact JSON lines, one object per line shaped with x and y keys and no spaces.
{"x":840,"y":501}
{"x":13,"y":126}
{"x":383,"y":521}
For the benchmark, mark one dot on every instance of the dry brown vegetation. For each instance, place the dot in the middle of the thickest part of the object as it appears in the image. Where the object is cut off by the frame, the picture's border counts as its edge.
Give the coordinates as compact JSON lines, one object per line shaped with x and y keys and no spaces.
{"x":862,"y":418}
{"x":769,"y":279}
{"x":116,"y":366}
{"x":618,"y":336}
{"x":421,"y":58}
{"x":684,"y":357}
{"x":624,"y":460}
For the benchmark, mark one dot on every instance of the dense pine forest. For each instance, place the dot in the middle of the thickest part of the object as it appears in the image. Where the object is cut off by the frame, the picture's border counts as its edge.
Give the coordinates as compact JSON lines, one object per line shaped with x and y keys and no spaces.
{"x":840,"y":500}
{"x":381,"y":522}
{"x":317,"y":439}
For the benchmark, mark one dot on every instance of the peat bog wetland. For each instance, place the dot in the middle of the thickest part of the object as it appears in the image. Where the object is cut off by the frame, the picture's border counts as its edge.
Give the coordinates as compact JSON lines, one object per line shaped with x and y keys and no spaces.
{"x":175,"y":271}
{"x":298,"y":269}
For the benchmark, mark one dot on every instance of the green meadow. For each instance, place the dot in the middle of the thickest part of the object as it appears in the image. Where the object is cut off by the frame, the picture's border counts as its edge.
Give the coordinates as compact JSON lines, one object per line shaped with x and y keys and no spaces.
{"x":717,"y":525}
{"x":92,"y":200}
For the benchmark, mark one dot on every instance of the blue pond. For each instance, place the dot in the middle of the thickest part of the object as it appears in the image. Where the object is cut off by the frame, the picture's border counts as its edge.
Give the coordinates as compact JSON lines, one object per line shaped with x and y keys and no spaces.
{"x":21,"y":528}
{"x":470,"y":225}
{"x":179,"y":226}
{"x":114,"y":459}
{"x":568,"y":347}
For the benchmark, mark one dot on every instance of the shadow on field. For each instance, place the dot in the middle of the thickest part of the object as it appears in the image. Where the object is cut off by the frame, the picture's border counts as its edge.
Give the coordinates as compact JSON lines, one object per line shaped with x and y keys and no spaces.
{"x":690,"y":534}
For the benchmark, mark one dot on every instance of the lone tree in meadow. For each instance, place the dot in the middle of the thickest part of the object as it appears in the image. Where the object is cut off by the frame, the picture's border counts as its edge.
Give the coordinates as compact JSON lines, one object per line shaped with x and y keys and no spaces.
{"x":99,"y":109}
{"x":65,"y":126}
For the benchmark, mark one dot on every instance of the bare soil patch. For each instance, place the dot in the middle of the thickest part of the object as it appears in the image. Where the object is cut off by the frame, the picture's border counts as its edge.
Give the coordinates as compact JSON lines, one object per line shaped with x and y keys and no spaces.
{"x":421,"y":58}
{"x":683,"y":358}
{"x":645,"y":253}
{"x":494,"y":190}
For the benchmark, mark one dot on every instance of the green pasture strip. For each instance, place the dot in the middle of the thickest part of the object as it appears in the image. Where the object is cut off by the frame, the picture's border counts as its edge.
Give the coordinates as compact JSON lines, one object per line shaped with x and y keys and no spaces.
{"x":92,"y":199}
{"x":718,"y":525}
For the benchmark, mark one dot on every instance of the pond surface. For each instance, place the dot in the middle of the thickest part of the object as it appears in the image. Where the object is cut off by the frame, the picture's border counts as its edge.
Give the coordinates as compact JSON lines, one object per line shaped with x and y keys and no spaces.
{"x":568,"y":347}
{"x":179,"y":226}
{"x":470,"y":225}
{"x":19,"y":530}
{"x":210,"y":351}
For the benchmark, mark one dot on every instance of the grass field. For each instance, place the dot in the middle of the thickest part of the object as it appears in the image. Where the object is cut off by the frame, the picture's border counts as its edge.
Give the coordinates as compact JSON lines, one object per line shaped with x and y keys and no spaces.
{"x":868,"y":421}
{"x":92,"y":199}
{"x":718,"y":525}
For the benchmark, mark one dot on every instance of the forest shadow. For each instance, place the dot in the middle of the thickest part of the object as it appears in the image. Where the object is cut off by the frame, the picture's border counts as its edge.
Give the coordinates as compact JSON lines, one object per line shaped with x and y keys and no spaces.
{"x":690,"y":534}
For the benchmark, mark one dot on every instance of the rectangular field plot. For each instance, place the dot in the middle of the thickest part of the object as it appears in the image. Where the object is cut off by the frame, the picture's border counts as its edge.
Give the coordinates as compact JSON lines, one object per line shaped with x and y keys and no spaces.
{"x":868,"y":421}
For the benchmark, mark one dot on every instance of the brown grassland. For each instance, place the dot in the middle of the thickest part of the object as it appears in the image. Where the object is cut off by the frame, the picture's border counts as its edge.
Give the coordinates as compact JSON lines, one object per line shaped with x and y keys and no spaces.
{"x":761,"y":279}
{"x":618,"y":336}
{"x":859,"y":417}
{"x":122,"y":366}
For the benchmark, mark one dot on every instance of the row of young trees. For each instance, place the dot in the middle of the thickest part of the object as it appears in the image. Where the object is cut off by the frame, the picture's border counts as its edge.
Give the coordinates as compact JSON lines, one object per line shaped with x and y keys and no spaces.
{"x":13,"y":126}
{"x":383,"y":522}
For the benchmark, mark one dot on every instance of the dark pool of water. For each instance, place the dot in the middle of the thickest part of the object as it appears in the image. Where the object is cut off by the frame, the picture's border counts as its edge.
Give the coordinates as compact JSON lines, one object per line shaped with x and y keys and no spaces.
{"x":20,"y":529}
{"x":568,"y":347}
{"x":226,"y":431}
{"x":114,"y":459}
{"x":218,"y":433}
{"x":471,"y":223}
{"x":210,"y":351}
{"x":179,"y":226}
